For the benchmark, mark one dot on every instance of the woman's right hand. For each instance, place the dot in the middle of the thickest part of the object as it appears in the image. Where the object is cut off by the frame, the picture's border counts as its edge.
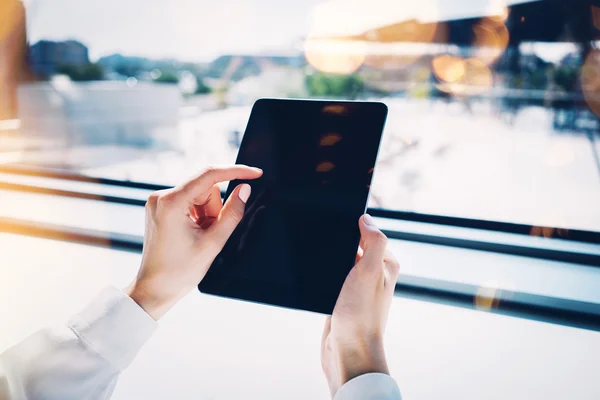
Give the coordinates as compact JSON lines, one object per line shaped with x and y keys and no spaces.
{"x":352,"y":343}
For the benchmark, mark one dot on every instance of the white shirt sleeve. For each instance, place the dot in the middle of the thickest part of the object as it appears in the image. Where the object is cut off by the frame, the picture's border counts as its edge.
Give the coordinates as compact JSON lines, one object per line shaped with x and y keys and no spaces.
{"x":81,"y":360}
{"x":369,"y":387}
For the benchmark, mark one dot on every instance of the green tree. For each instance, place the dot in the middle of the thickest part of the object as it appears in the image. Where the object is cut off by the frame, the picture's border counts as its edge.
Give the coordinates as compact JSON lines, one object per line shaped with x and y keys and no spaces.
{"x":128,"y":69}
{"x":82,"y":73}
{"x":167,"y":77}
{"x":538,"y":79}
{"x":330,"y":85}
{"x":202,"y":88}
{"x":565,"y":77}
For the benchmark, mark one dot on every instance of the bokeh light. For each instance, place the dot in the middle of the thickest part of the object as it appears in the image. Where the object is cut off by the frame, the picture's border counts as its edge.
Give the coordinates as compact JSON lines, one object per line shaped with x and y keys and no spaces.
{"x":477,"y":74}
{"x":406,"y":31}
{"x":491,"y":39}
{"x":155,"y":73}
{"x":383,"y":30}
{"x":336,"y":56}
{"x":590,"y":81}
{"x":477,"y":79}
{"x":187,"y":82}
{"x":131,"y":81}
{"x":497,"y":9}
{"x":400,"y":45}
{"x":448,"y":68}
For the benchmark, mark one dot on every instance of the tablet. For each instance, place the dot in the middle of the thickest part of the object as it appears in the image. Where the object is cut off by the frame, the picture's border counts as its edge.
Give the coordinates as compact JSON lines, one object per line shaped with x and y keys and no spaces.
{"x":299,"y":235}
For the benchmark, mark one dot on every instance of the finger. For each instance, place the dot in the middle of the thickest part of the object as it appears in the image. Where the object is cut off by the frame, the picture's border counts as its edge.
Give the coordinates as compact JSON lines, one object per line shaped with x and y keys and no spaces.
{"x":196,"y":190}
{"x":372,"y":241}
{"x":230,"y":216}
{"x":205,"y":214}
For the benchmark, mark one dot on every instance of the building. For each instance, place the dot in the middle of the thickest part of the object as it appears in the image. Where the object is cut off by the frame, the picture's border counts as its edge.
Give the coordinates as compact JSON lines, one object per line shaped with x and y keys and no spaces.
{"x":62,"y":114}
{"x":46,"y":57}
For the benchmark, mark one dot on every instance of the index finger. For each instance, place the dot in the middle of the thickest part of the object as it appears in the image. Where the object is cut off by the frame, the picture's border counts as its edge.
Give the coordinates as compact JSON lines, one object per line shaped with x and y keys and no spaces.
{"x":196,"y":190}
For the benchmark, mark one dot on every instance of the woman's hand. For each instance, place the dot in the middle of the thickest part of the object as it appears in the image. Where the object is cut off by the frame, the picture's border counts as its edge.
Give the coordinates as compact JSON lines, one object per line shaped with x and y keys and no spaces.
{"x":352,"y":343}
{"x":186,"y":227}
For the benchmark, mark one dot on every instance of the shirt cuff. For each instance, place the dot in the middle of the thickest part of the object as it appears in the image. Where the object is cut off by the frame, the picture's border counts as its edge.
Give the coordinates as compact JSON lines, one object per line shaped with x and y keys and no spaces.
{"x":114,"y":326}
{"x":373,"y":386}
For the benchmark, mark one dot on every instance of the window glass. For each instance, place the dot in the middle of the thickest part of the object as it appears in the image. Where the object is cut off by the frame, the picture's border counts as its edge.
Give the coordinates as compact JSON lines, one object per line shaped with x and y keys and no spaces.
{"x":493,"y":104}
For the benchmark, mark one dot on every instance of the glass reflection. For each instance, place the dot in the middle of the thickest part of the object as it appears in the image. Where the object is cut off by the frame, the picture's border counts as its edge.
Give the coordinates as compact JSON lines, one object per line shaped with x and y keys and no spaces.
{"x":493,"y":104}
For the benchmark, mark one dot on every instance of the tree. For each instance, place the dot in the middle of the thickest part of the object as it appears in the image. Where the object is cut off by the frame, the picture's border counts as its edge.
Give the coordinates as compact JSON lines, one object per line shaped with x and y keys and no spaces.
{"x":128,"y":69}
{"x":202,"y":88}
{"x":565,"y":77}
{"x":167,"y":77}
{"x":82,"y":73}
{"x":330,"y":85}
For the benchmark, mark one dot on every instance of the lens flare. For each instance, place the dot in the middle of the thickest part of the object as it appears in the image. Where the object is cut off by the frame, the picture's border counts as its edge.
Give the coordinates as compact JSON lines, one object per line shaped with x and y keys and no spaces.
{"x":490,"y":39}
{"x":590,"y":81}
{"x":336,"y":56}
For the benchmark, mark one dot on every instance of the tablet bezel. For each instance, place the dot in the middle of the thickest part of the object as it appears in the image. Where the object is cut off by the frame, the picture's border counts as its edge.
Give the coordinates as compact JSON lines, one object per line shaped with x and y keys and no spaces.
{"x":263,"y":292}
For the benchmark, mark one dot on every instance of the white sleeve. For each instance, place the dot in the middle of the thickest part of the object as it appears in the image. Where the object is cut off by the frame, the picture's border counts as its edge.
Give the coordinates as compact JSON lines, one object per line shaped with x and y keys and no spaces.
{"x":81,"y":360}
{"x":373,"y":386}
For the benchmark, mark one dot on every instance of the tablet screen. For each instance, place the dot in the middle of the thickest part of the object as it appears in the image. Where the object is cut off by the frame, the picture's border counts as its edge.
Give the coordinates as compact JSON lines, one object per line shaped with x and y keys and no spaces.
{"x":299,"y":235}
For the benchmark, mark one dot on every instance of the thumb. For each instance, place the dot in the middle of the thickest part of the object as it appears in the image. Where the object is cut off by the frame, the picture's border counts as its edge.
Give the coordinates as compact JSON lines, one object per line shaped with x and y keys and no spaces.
{"x":230,"y":216}
{"x":372,"y":241}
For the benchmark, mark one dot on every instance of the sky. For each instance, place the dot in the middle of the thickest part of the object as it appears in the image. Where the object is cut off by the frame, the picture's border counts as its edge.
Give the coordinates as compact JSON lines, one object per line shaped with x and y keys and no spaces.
{"x":201,"y":30}
{"x":191,"y":30}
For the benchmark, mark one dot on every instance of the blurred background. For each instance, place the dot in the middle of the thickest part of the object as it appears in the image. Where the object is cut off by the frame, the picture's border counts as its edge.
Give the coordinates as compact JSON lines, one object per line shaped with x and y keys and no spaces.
{"x":492,"y":103}
{"x":487,"y":183}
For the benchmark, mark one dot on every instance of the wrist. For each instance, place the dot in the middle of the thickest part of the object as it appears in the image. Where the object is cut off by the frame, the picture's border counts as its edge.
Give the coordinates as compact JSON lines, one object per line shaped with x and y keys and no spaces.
{"x":153,"y":305}
{"x":361,"y":358}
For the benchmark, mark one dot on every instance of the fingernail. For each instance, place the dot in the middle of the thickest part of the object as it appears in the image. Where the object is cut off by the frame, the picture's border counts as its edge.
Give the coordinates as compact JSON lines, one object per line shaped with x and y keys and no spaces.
{"x":244,"y":192}
{"x":257,"y":169}
{"x":368,"y":220}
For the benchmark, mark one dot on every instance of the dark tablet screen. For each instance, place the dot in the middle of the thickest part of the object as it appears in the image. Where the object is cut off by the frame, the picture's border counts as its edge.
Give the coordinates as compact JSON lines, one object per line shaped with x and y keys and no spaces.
{"x":299,"y":235}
